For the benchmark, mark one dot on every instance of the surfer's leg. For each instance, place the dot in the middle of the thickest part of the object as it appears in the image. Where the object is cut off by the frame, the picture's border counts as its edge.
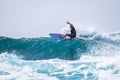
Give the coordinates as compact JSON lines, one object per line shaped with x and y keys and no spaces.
{"x":63,"y":36}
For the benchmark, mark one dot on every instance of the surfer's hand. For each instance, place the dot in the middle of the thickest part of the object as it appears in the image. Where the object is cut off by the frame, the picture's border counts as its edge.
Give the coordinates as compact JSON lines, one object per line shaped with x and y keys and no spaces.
{"x":68,"y":23}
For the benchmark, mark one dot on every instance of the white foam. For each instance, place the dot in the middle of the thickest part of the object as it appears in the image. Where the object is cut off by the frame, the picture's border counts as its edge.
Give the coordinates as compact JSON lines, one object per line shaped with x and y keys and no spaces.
{"x":89,"y":66}
{"x":65,"y":29}
{"x":24,"y":71}
{"x":83,"y":29}
{"x":106,"y":67}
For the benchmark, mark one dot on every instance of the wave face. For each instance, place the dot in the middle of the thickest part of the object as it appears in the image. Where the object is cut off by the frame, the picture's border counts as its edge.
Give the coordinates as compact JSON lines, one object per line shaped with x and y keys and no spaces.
{"x":88,"y":57}
{"x":45,"y":48}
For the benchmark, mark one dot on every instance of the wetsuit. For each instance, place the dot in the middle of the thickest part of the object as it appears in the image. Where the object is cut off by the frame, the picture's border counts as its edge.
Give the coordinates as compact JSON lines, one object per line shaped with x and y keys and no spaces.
{"x":73,"y":32}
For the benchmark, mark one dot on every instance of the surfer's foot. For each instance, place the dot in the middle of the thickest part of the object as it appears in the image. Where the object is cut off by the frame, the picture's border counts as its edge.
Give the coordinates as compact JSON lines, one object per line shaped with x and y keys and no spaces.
{"x":61,"y":36}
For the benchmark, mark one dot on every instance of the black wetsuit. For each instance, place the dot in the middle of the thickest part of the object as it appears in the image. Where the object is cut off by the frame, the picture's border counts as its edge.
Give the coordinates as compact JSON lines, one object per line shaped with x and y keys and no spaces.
{"x":73,"y":32}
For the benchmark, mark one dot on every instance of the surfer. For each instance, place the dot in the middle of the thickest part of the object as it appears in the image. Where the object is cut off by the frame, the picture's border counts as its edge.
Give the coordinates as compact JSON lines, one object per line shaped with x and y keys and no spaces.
{"x":72,"y":32}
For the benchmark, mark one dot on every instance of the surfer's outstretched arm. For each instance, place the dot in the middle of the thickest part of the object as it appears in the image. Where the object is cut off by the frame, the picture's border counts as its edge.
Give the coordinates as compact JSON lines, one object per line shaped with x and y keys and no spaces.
{"x":69,"y":23}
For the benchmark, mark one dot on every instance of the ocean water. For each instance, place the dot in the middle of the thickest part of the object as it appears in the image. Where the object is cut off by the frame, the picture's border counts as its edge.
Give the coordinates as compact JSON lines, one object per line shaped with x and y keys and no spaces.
{"x":88,"y":57}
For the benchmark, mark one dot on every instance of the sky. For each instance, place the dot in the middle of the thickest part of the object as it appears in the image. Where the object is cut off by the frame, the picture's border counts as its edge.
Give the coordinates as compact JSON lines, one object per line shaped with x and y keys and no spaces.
{"x":38,"y":18}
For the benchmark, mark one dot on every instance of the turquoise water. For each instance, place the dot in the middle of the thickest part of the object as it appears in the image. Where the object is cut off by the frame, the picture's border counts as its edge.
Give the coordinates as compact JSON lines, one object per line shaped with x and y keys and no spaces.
{"x":46,"y":48}
{"x":88,"y":57}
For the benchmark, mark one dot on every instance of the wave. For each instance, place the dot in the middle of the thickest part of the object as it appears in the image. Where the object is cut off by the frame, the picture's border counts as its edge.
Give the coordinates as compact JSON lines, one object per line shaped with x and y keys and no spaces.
{"x":86,"y":68}
{"x":47,"y":48}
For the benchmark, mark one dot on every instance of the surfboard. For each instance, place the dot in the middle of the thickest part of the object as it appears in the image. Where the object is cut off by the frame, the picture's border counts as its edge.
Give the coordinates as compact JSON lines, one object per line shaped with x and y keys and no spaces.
{"x":56,"y":36}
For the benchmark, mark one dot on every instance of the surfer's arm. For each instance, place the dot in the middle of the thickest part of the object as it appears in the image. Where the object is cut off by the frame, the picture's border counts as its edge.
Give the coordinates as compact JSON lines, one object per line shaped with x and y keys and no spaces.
{"x":69,"y":23}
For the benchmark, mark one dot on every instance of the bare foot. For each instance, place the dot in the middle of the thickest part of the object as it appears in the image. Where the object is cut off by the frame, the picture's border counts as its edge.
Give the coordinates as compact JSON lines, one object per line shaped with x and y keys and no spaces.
{"x":61,"y":36}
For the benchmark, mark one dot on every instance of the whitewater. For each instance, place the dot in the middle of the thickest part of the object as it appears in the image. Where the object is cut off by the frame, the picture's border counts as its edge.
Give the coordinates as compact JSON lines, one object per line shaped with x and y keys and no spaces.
{"x":88,"y":57}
